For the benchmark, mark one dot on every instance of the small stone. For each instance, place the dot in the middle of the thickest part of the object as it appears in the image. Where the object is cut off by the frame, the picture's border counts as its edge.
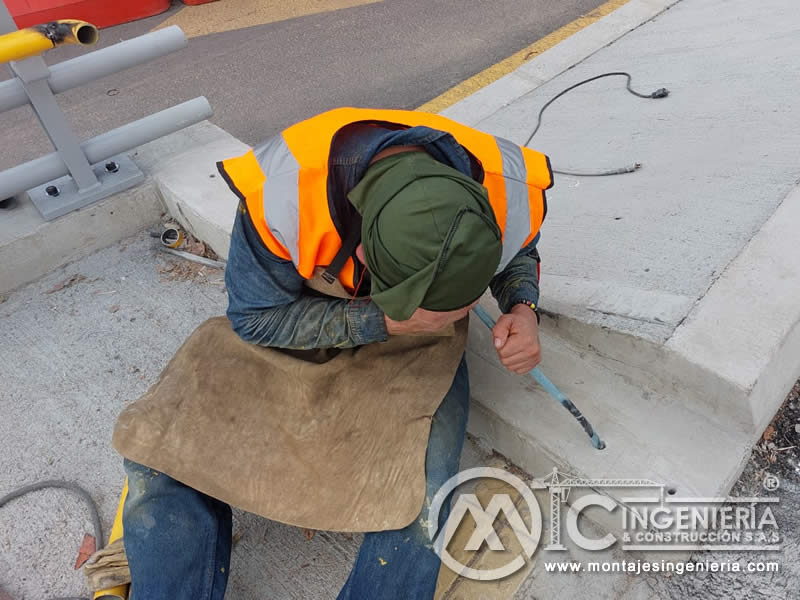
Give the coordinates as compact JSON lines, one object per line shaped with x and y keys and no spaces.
{"x":797,"y":428}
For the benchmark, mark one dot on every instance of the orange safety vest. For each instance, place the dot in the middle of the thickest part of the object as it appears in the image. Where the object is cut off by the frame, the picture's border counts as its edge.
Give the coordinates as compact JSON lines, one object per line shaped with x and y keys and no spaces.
{"x":284,"y":183}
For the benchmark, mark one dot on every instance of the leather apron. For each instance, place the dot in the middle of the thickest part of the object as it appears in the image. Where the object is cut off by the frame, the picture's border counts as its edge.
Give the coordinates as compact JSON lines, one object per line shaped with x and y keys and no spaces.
{"x":330,"y":439}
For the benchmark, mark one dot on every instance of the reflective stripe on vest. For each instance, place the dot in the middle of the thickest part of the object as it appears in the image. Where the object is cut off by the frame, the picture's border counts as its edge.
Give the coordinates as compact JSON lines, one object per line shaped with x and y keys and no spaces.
{"x":285,"y":185}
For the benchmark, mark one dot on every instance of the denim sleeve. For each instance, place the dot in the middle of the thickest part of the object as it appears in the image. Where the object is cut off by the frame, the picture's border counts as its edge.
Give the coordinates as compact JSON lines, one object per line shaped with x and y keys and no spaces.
{"x":519,"y":281}
{"x":268,"y":304}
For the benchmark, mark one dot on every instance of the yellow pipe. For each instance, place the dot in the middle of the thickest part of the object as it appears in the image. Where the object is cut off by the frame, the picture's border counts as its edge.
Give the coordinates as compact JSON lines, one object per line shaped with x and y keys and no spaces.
{"x":121,"y":591}
{"x":40,"y":38}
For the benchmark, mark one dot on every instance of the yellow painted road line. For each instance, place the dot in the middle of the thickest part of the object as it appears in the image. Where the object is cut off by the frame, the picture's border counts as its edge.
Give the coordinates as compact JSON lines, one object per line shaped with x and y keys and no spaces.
{"x":504,"y":67}
{"x":228,"y":15}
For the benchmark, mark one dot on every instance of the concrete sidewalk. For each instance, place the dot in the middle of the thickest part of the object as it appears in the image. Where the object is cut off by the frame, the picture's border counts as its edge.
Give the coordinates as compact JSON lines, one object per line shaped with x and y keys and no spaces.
{"x":671,"y":293}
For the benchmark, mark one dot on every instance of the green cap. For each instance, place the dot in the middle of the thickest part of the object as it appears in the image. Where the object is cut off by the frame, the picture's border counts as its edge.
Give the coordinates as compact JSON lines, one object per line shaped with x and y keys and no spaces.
{"x":429,"y":235}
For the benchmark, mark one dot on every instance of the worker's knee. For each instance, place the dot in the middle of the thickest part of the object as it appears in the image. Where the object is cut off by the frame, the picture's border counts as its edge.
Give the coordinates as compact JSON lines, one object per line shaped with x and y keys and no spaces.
{"x":145,"y":483}
{"x":168,"y":523}
{"x":156,"y":499}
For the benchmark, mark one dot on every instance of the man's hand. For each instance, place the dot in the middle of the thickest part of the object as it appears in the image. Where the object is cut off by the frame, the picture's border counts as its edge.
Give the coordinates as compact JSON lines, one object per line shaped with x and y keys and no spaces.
{"x":426,"y":321}
{"x":516,"y":338}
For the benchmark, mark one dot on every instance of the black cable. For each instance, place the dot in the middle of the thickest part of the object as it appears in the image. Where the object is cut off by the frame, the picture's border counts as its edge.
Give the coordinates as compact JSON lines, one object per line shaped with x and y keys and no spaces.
{"x":621,"y":171}
{"x":65,"y":485}
{"x":659,"y":93}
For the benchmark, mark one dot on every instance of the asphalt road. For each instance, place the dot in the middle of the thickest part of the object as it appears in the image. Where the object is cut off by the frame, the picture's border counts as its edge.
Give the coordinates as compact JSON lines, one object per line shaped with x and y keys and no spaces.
{"x":261,"y":78}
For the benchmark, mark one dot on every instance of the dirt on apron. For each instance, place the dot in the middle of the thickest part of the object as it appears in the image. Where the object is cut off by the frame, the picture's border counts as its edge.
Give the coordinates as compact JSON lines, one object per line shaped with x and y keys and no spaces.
{"x":322,"y":439}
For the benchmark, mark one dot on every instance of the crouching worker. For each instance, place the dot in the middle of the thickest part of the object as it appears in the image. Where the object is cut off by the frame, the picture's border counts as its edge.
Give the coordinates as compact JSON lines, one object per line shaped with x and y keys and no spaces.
{"x":335,"y":394}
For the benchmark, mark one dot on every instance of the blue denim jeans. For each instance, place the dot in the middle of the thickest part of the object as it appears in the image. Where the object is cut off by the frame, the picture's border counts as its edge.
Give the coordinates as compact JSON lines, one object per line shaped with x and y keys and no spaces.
{"x":178,"y":540}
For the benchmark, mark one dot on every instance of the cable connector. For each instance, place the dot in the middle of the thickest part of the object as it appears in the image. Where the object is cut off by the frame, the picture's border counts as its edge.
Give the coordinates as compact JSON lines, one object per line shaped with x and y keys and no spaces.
{"x":659,"y":93}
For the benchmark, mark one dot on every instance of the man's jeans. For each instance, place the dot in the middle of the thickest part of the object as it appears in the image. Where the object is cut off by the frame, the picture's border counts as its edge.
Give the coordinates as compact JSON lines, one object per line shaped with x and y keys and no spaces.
{"x":178,"y":540}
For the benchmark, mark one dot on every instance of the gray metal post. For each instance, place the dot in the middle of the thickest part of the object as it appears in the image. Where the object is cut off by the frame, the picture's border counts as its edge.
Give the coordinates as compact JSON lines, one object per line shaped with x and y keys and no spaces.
{"x":33,"y":72}
{"x":7,"y":24}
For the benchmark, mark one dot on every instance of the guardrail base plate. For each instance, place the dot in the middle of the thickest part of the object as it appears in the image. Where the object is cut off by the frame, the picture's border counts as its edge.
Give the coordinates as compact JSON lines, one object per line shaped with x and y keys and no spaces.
{"x":61,"y":196}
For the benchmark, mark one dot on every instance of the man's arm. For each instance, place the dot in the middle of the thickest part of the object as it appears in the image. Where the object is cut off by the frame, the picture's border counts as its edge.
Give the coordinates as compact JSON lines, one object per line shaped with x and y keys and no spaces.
{"x":519,"y":281}
{"x":267,"y":304}
{"x":516,"y":333}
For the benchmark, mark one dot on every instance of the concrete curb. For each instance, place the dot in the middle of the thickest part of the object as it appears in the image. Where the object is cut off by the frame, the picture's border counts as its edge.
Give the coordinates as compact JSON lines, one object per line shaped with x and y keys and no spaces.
{"x":31,"y":247}
{"x":564,"y":55}
{"x":207,"y":210}
{"x":762,"y":330}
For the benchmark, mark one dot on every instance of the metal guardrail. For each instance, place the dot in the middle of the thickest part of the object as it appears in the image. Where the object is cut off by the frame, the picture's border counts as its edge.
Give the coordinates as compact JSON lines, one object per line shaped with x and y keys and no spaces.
{"x":78,"y":174}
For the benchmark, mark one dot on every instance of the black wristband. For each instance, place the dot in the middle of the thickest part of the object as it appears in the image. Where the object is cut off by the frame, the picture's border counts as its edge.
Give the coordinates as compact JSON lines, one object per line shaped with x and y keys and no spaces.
{"x":532,"y":305}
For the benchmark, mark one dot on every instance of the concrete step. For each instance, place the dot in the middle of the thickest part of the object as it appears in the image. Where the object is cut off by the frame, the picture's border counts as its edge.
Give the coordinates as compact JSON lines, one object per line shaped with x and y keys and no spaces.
{"x":649,"y":430}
